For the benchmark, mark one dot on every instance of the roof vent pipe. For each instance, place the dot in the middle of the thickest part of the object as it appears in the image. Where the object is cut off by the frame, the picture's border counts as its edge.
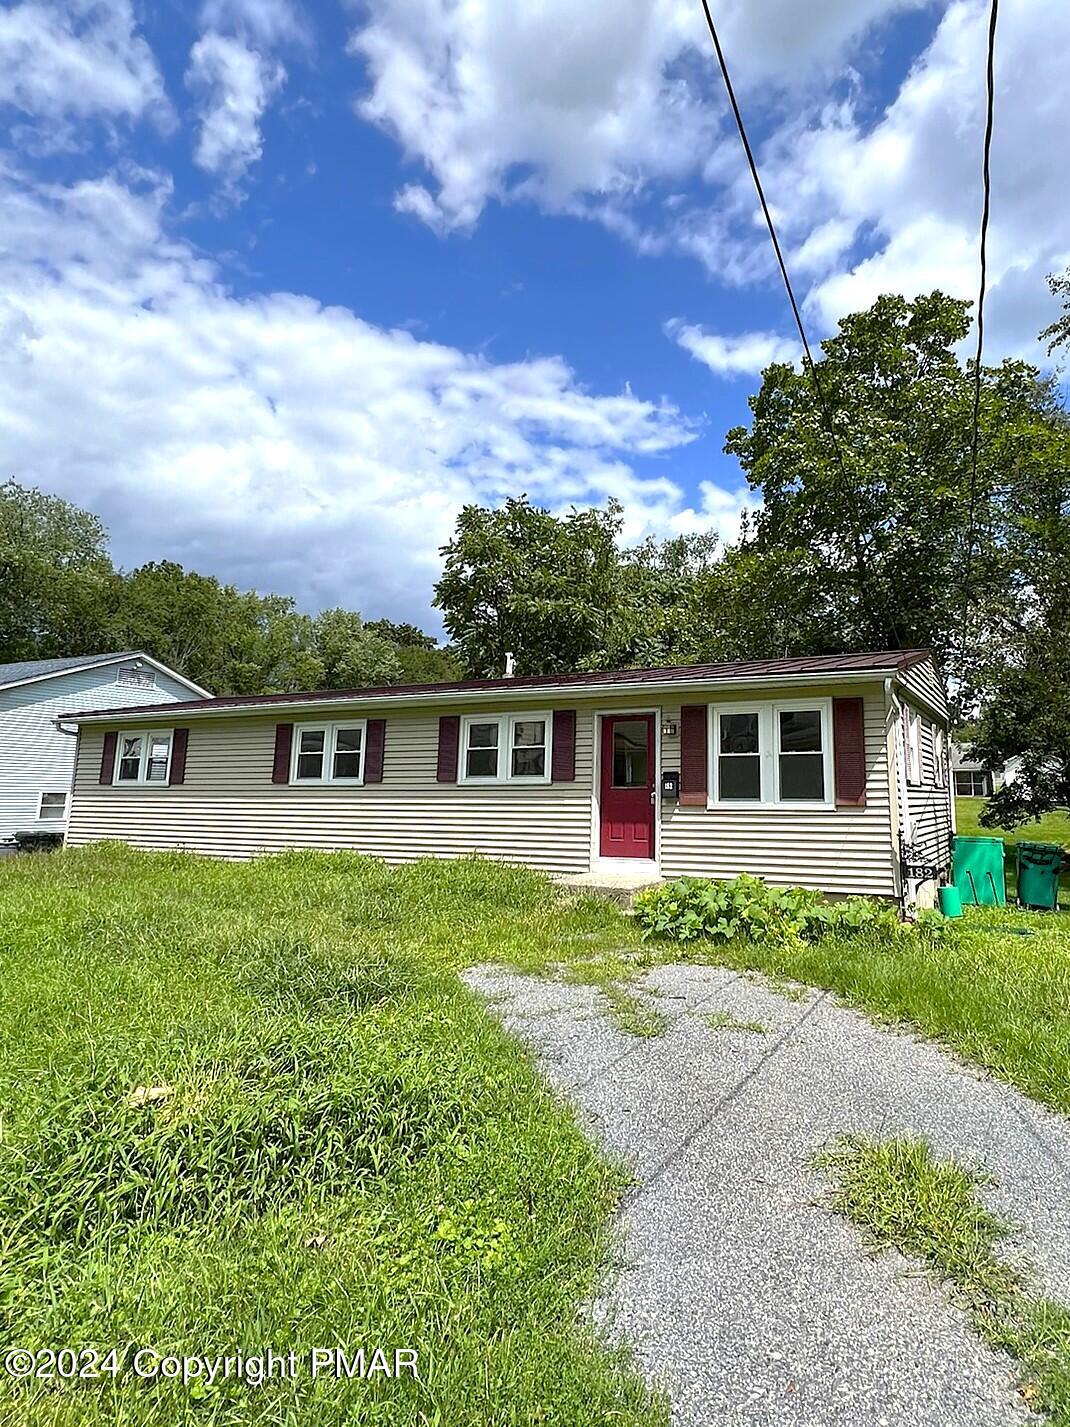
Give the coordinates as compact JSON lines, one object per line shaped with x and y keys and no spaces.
{"x":510,"y":666}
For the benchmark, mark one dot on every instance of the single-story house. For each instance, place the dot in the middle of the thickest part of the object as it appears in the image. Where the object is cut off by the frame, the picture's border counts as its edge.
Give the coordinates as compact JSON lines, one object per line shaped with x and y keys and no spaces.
{"x":36,"y":755}
{"x":973,"y":779}
{"x":830,"y":772}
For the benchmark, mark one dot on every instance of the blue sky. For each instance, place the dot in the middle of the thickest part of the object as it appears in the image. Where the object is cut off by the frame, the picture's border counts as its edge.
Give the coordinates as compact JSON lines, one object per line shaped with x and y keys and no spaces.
{"x":285,"y":284}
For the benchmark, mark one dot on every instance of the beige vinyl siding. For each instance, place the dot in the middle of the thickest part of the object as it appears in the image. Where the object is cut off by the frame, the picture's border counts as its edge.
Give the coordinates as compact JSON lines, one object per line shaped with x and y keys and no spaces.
{"x":924,"y":682}
{"x":229,"y":807}
{"x":928,"y":802}
{"x":841,"y":850}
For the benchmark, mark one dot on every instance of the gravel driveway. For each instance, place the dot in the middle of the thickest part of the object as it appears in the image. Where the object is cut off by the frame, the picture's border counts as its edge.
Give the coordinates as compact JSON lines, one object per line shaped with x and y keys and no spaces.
{"x":742,"y":1296}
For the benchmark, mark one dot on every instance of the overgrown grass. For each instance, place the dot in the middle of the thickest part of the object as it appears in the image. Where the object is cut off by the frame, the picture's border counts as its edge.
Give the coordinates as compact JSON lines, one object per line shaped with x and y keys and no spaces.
{"x":997,"y":991}
{"x":928,"y":1209}
{"x":251,"y":1105}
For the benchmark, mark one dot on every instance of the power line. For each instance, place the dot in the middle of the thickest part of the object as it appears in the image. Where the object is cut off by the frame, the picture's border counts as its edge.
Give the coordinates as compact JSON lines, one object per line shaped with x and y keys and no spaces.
{"x":861,"y":540}
{"x":986,"y":184}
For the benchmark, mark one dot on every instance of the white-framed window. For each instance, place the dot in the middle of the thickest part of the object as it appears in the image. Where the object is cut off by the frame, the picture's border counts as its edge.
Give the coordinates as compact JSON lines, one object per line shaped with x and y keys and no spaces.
{"x":738,"y":755}
{"x":143,"y":756}
{"x":136,"y":677}
{"x":803,"y":735}
{"x":329,"y":752}
{"x":913,"y":742}
{"x":776,"y":754}
{"x":972,"y":783}
{"x":51,"y":807}
{"x":506,"y":748}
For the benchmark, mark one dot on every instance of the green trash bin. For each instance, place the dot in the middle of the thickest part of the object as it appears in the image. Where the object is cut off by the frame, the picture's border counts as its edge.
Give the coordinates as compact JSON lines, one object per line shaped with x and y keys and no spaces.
{"x":1039,"y":865}
{"x":978,"y":871}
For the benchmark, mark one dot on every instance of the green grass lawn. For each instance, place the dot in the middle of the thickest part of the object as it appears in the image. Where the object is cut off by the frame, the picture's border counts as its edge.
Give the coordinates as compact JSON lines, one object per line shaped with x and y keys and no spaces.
{"x":1053,"y":828}
{"x":251,"y":1106}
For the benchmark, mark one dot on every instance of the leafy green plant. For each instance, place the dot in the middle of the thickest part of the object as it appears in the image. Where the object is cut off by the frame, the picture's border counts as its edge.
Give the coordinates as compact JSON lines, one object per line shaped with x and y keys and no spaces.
{"x":746,"y":909}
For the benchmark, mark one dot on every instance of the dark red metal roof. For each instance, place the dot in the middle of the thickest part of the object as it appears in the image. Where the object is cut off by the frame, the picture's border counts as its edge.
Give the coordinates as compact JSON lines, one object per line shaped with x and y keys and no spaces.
{"x":884,"y":662}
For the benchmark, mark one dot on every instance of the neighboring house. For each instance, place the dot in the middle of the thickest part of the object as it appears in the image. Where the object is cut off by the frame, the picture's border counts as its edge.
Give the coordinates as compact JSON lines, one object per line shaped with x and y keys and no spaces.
{"x":973,"y":779}
{"x":37,"y":757}
{"x":816,"y":771}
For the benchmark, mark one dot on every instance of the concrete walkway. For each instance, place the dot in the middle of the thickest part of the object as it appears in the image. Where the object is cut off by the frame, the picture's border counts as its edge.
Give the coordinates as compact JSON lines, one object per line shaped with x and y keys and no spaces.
{"x":747,"y":1300}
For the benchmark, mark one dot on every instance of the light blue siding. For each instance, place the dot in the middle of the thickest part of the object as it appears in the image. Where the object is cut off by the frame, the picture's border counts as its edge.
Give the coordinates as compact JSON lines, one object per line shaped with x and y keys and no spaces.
{"x":35,"y":757}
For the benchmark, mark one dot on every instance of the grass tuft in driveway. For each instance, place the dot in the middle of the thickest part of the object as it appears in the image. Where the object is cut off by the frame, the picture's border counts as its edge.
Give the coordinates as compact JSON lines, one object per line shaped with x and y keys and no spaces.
{"x":928,"y":1209}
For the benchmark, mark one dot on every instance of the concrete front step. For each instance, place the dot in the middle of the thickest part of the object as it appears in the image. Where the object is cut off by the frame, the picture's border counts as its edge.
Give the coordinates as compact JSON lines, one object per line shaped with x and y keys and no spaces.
{"x":614,"y":886}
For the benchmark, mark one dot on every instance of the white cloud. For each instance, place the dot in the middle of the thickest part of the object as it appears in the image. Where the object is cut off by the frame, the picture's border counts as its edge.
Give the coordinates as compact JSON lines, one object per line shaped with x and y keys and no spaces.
{"x":265,"y":22}
{"x":911,"y":181}
{"x":234,"y":85}
{"x":562,"y":103}
{"x":274,"y":441}
{"x":82,"y":59}
{"x":747,"y":354}
{"x":612,"y":111}
{"x":235,"y":75}
{"x":550,"y":101}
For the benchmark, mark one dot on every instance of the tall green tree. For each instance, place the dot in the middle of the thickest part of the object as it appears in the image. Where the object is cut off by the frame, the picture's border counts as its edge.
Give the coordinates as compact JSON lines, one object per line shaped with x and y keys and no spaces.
{"x":349,"y":654}
{"x":421,"y":658}
{"x":57,"y":583}
{"x":231,"y":641}
{"x":679,"y":601}
{"x":1058,"y":334}
{"x":520,"y":580}
{"x":883,"y":510}
{"x":1023,"y":691}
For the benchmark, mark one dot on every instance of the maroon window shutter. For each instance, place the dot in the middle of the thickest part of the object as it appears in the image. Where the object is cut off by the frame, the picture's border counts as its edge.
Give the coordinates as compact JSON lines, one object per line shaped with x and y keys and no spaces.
{"x":849,"y":752}
{"x":563,"y":758}
{"x":107,"y":757}
{"x":373,"y":752}
{"x":449,"y":740}
{"x":179,"y":744}
{"x":284,"y":737}
{"x":693,"y":745}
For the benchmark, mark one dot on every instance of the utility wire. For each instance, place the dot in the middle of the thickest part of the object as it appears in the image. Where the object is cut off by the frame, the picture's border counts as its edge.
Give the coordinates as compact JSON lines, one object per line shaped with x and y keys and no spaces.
{"x":861,"y":540}
{"x":986,"y":183}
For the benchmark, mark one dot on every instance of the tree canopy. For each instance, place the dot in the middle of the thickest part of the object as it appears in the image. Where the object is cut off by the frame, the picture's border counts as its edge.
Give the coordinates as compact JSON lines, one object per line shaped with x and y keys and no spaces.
{"x":61,"y":595}
{"x":874,"y":530}
{"x":884,"y":510}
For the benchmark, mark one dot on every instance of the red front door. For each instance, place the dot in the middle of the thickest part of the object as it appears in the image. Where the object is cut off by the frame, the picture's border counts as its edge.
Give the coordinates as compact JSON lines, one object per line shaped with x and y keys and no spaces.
{"x":627,"y":802}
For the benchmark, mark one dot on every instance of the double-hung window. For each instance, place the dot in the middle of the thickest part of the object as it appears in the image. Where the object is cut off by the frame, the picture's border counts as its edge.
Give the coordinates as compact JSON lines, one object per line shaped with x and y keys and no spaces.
{"x":143,"y":757}
{"x":329,"y":752}
{"x":771,"y":754}
{"x":505,"y":748}
{"x":801,"y":748}
{"x":738,"y":750}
